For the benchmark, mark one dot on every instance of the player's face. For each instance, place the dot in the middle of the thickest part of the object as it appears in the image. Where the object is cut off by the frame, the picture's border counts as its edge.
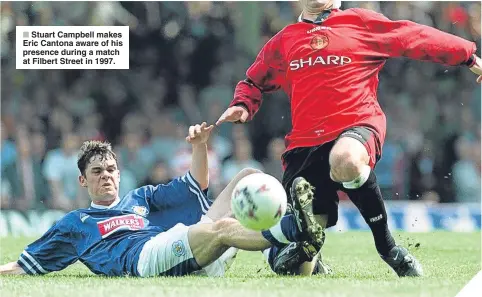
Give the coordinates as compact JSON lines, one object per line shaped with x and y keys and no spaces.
{"x":101,"y":179}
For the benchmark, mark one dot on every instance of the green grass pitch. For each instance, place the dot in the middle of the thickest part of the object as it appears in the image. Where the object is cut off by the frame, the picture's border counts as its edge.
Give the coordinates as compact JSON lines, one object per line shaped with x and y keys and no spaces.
{"x":450,"y":260}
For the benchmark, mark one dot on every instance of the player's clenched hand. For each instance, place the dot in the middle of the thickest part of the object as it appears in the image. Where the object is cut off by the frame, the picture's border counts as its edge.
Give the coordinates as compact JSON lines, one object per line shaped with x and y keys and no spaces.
{"x":233,"y":114}
{"x":199,"y":133}
{"x":477,"y":69}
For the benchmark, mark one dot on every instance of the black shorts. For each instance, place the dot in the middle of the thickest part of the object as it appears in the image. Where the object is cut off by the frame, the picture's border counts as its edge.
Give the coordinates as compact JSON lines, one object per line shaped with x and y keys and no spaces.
{"x":312,"y":163}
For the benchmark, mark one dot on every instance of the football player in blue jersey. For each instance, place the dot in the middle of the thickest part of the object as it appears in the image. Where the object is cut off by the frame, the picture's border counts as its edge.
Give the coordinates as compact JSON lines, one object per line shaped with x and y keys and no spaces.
{"x":116,"y":237}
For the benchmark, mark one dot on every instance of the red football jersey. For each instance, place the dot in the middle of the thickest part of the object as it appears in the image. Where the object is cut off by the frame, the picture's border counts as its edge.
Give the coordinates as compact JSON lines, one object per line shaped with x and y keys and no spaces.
{"x":330,"y":70}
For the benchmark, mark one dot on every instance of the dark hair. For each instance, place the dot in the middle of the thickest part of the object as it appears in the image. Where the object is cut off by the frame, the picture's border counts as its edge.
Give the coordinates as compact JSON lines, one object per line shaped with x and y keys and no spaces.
{"x":91,"y":148}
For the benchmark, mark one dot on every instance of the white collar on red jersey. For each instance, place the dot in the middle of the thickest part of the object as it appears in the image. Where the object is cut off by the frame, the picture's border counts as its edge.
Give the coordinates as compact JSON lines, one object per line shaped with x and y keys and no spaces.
{"x":93,"y":205}
{"x":320,"y":19}
{"x":300,"y":18}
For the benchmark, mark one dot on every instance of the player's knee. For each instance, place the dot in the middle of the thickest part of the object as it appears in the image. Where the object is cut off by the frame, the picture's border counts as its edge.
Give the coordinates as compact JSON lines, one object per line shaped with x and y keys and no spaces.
{"x":347,"y":160}
{"x":222,"y":229}
{"x":343,"y":165}
{"x":247,"y":171}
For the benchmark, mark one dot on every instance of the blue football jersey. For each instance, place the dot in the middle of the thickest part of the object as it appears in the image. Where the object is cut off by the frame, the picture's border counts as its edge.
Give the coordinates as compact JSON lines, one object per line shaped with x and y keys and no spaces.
{"x":108,"y":240}
{"x":186,"y":204}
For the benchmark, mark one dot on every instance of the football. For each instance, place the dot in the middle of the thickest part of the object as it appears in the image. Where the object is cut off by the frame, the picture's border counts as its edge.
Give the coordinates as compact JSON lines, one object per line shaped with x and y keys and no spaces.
{"x":259,"y":201}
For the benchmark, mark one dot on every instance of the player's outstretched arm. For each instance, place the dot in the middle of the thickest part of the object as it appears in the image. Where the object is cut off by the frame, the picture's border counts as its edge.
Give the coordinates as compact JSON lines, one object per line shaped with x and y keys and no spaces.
{"x":191,"y":185}
{"x":265,"y":75}
{"x":11,"y":268}
{"x":198,"y":137}
{"x":53,"y":251}
{"x":415,"y":41}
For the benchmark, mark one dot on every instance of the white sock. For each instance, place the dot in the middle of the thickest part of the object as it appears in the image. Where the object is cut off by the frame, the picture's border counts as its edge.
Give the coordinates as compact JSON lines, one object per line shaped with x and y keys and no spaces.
{"x":266,"y":254}
{"x":360,"y":180}
{"x":277,"y":233}
{"x":219,"y":267}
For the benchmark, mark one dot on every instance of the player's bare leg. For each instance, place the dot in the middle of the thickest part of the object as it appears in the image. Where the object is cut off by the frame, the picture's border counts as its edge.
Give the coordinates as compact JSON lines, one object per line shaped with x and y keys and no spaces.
{"x":221,"y":208}
{"x":349,"y":162}
{"x":209,"y":241}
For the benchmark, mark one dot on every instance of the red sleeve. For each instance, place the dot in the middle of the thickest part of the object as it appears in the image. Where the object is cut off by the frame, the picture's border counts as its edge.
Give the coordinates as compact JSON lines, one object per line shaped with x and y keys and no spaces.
{"x":266,"y":74}
{"x":414,"y":41}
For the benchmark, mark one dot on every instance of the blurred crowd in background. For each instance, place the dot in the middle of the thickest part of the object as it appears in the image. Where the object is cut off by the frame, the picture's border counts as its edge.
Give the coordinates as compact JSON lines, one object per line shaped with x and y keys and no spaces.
{"x":185,"y":60}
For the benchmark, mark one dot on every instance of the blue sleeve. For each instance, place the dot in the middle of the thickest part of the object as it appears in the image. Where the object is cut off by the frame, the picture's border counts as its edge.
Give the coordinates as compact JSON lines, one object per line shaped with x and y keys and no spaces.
{"x":178,"y":191}
{"x":51,"y":252}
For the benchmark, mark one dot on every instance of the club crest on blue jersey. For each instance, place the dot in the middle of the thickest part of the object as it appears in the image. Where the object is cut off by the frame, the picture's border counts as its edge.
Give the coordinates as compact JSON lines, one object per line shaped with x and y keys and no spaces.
{"x":178,"y":248}
{"x":140,"y":210}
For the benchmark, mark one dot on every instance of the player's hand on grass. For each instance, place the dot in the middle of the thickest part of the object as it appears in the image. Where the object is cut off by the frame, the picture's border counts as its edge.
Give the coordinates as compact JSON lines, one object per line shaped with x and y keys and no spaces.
{"x":233,"y":114}
{"x":199,"y":134}
{"x":477,"y":69}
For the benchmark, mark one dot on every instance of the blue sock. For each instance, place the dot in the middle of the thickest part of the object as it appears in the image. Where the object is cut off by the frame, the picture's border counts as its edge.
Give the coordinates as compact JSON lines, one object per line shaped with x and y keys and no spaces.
{"x":284,"y":232}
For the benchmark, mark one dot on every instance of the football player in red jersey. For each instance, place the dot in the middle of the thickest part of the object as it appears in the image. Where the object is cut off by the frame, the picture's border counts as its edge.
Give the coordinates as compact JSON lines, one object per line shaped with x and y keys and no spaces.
{"x":328,"y":64}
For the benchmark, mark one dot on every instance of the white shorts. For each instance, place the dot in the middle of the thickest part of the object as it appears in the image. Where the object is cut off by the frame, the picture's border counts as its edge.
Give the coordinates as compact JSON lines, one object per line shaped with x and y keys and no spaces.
{"x":169,"y":254}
